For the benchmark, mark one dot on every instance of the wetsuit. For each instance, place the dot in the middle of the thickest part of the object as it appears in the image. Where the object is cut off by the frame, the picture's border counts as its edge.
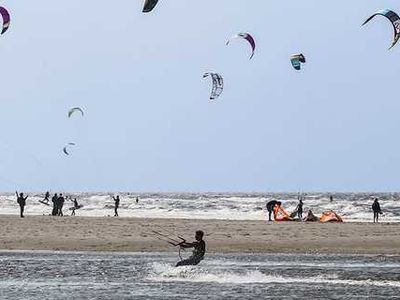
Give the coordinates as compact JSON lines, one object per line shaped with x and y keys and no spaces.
{"x":270,"y":208}
{"x":22,"y":202}
{"x":76,"y":206}
{"x":54,"y":200}
{"x":197,"y":254}
{"x":300,"y":210}
{"x":377,"y":210}
{"x":116,"y":206}
{"x":60,"y":205}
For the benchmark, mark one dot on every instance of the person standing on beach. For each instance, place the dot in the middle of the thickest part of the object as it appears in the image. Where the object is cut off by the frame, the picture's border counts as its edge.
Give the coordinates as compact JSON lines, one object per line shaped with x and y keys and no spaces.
{"x":76,"y":206}
{"x":376,"y":208}
{"x":198,"y":253}
{"x":270,"y":207}
{"x":299,"y":210}
{"x":54,"y":199}
{"x":116,"y":206}
{"x":60,"y":204}
{"x":22,"y":202}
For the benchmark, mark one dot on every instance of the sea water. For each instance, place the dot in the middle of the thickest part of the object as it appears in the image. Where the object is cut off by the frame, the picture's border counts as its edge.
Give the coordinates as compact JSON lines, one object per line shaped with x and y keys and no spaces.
{"x":228,"y":206}
{"x":67,"y":275}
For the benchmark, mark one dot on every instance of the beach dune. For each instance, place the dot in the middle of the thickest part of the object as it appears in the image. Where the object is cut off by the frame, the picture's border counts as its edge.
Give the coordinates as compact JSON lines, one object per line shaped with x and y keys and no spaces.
{"x":136,"y":234}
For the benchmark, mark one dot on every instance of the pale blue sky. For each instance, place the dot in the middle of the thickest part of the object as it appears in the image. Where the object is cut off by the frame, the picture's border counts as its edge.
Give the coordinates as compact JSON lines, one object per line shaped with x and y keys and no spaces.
{"x":149,"y":125}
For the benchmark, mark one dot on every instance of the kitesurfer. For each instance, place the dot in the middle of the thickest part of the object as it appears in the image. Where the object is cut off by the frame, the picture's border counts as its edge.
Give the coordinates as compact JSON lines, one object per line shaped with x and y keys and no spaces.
{"x":76,"y":206}
{"x":198,"y":253}
{"x":299,"y":209}
{"x":137,"y":200}
{"x":54,"y":199}
{"x":46,"y":197}
{"x":22,"y":202}
{"x":376,"y":208}
{"x":116,"y":206}
{"x":270,"y":207}
{"x":60,"y":204}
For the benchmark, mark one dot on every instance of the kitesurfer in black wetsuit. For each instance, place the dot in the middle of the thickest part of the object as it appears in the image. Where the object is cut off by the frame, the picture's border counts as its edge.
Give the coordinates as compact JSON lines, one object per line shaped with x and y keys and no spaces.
{"x":60,"y":204}
{"x":300,"y":210}
{"x":54,"y":199}
{"x":271,"y":206}
{"x":46,"y":197}
{"x":22,"y":202}
{"x":116,"y":206}
{"x":376,"y":209}
{"x":198,"y":253}
{"x":76,"y":206}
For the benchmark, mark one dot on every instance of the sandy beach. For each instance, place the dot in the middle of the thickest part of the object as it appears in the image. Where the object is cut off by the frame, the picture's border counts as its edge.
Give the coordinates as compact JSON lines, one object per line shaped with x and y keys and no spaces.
{"x":135,"y":234}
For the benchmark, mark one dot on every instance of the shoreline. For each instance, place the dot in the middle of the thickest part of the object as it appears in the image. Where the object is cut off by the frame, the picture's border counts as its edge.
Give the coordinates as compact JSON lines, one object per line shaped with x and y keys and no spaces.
{"x":222,"y":236}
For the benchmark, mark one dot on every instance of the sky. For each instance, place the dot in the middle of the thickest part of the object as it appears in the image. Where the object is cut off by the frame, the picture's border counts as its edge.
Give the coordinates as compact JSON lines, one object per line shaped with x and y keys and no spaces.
{"x":149,"y":125}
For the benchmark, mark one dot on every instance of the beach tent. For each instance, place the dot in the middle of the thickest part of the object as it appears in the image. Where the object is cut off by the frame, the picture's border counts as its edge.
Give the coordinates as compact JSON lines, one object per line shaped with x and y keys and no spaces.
{"x":280,"y":214}
{"x":310,"y":217}
{"x":330,"y":216}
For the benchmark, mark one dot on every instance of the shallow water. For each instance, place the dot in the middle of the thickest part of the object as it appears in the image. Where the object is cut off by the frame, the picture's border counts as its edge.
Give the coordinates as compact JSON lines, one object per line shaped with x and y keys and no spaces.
{"x":233,"y":206}
{"x":50,"y":275}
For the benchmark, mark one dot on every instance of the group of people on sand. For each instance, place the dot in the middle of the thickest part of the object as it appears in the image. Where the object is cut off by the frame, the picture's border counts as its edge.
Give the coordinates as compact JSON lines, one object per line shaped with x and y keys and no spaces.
{"x":376,"y":208}
{"x":58,"y":201}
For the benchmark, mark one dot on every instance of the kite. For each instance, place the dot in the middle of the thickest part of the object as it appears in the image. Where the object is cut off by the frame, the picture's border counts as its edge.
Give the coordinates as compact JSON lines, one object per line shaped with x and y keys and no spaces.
{"x":66,"y":148}
{"x":393,"y":18}
{"x":217,"y":84}
{"x":6,"y":19}
{"x":296,"y":60}
{"x":247,"y":37}
{"x":73,"y":110}
{"x":149,"y":5}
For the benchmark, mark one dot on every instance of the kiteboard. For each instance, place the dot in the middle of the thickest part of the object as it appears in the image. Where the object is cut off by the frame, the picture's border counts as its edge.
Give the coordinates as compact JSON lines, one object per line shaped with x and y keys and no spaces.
{"x":44,"y":202}
{"x":77,"y":207}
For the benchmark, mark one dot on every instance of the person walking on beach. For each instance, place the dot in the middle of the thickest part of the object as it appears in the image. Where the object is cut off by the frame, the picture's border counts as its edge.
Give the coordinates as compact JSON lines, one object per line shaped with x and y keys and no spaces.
{"x":22,"y":202}
{"x":60,"y":204}
{"x":376,"y":208}
{"x":116,"y":206}
{"x":299,"y":210}
{"x":46,"y":197}
{"x":54,"y":199}
{"x":76,"y":206}
{"x":270,"y":207}
{"x":198,"y":252}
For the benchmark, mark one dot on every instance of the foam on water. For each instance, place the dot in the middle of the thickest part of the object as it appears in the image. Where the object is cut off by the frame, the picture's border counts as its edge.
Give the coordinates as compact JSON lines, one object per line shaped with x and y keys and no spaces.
{"x":239,"y":206}
{"x":168,"y":273}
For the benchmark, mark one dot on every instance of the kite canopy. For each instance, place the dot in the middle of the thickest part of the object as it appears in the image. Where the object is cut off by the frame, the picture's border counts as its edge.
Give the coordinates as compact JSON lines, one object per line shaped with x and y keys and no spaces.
{"x":73,"y":110}
{"x":217,"y":84}
{"x":393,"y":18}
{"x":6,"y":19}
{"x":149,"y":5}
{"x":281,"y":215}
{"x":330,"y":216}
{"x":296,"y":60}
{"x":66,"y":148}
{"x":247,"y":37}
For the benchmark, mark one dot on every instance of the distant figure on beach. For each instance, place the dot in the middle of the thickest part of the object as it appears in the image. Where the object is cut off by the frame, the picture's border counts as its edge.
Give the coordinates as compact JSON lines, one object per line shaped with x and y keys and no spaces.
{"x":116,"y":206}
{"x":54,"y":199}
{"x":270,"y":207}
{"x":137,"y":200}
{"x":330,"y":198}
{"x":22,"y":202}
{"x":376,"y":208}
{"x":299,"y":210}
{"x":76,"y":206}
{"x":46,"y":197}
{"x":198,"y":252}
{"x":60,"y":204}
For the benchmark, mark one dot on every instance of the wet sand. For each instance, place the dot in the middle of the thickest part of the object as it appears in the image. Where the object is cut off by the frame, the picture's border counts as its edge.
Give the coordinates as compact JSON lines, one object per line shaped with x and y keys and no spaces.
{"x":135,"y":234}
